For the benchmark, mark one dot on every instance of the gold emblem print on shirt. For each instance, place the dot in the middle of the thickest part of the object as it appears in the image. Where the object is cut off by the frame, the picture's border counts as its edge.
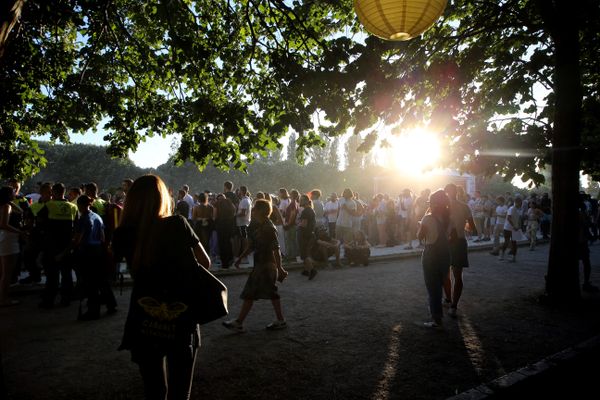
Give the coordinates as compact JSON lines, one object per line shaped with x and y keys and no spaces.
{"x":160,"y":310}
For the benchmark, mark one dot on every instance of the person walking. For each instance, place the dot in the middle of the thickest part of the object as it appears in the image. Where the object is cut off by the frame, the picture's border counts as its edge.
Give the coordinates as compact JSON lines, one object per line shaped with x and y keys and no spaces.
{"x":159,"y":247}
{"x":460,"y":214}
{"x":267,"y":269}
{"x":512,"y":230}
{"x":433,"y":231}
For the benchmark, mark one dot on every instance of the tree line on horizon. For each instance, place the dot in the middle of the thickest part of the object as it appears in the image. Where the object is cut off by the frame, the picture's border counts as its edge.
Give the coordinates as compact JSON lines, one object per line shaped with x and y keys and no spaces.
{"x":76,"y":164}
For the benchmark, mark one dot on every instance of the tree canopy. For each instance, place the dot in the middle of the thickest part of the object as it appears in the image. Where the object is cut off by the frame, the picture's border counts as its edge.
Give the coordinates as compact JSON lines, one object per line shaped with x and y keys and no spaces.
{"x":233,"y":76}
{"x":509,"y":85}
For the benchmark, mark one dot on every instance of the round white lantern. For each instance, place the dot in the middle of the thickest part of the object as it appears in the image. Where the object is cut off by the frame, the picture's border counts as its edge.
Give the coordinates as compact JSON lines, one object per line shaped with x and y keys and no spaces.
{"x":398,"y":19}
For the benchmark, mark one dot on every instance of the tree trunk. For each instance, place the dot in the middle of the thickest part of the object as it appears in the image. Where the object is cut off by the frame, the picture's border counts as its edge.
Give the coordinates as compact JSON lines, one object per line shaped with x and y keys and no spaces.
{"x":10,"y":12}
{"x":562,"y":281}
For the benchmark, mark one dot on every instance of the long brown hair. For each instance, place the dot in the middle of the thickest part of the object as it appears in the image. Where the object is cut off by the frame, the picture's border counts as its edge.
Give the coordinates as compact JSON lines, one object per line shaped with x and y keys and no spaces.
{"x":147,"y":201}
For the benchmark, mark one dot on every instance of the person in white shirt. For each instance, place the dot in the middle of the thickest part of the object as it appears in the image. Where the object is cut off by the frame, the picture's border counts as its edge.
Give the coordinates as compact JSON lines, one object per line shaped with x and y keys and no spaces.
{"x":346,"y":214}
{"x":330,"y":211}
{"x":512,"y":230}
{"x":501,"y":210}
{"x":405,"y":210}
{"x":460,"y":214}
{"x":243,"y":216}
{"x":189,"y":200}
{"x":318,"y":206}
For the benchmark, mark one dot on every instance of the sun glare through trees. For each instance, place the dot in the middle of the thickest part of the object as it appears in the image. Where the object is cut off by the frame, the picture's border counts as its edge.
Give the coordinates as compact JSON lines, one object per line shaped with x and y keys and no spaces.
{"x":414,"y":152}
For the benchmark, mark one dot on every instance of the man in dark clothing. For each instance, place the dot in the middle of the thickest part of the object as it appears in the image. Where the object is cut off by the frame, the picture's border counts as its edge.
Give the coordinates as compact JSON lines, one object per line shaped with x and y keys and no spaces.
{"x":59,"y":216}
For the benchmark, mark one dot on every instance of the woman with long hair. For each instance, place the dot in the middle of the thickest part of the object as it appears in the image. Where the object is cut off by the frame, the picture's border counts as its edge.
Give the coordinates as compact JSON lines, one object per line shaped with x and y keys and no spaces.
{"x":158,"y":246}
{"x":433,"y":230}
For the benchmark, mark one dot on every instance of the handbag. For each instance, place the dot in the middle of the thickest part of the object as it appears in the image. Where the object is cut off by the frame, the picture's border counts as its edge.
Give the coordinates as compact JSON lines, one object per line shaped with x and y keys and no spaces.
{"x":208,"y":296}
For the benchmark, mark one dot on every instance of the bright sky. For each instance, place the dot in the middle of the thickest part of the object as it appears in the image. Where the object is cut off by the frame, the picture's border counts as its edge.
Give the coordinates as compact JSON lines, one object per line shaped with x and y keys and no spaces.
{"x":153,"y":152}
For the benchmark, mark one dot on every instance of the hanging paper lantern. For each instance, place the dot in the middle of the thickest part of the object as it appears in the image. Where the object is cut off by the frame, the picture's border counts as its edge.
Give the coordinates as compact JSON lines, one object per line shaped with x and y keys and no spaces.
{"x":398,"y":19}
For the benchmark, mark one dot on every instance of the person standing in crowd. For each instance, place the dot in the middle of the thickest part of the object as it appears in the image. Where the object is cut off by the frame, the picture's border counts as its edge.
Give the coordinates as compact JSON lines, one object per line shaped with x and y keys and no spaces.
{"x":433,"y":231}
{"x":202,"y":217}
{"x":243,"y":217}
{"x":158,"y":245}
{"x":98,"y":204}
{"x":289,"y":226}
{"x":405,"y":210}
{"x":181,"y":206}
{"x":89,"y":251}
{"x":224,"y":225}
{"x":583,"y":250}
{"x":500,"y":218}
{"x":381,"y":220}
{"x":58,"y":216}
{"x":229,"y":193}
{"x":512,"y":229}
{"x":36,"y":232}
{"x":420,"y":208}
{"x":534,"y":215}
{"x":283,"y":200}
{"x":546,"y":207}
{"x":330,"y":210}
{"x":23,"y":204}
{"x":11,"y":217}
{"x":277,"y":219}
{"x":189,"y":199}
{"x":318,"y":206}
{"x":305,"y":235}
{"x":267,"y":270}
{"x":460,"y":214}
{"x":73,"y":194}
{"x":478,"y":215}
{"x":345,"y":217}
{"x":489,"y":217}
{"x":126,"y":185}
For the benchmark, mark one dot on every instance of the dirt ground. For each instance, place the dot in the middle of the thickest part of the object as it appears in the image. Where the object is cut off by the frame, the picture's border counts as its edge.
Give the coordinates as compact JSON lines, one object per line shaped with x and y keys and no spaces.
{"x":353,"y":334}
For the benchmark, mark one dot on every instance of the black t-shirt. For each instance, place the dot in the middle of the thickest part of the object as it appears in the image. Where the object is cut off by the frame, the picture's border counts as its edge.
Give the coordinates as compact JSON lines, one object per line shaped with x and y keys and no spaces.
{"x":162,"y":269}
{"x":309,"y":215}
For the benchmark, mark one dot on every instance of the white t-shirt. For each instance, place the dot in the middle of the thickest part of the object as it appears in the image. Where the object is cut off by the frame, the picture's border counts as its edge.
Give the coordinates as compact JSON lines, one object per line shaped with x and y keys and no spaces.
{"x":344,"y":217}
{"x":501,"y":215}
{"x":245,"y":204}
{"x":404,"y":206}
{"x":515,"y":216}
{"x":331,"y":210}
{"x":283,"y":203}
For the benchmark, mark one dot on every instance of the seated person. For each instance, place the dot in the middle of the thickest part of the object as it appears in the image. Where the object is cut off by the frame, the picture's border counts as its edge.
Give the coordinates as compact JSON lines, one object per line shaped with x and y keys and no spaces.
{"x":358,"y":250}
{"x":325,"y":247}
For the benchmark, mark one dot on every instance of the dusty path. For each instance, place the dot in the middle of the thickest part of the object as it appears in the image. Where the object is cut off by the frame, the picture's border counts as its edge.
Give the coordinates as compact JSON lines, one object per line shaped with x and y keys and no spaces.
{"x":352,"y":335}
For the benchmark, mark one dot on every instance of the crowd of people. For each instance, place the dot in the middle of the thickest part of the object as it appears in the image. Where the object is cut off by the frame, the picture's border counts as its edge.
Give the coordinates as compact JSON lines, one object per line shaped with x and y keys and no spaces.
{"x":59,"y":230}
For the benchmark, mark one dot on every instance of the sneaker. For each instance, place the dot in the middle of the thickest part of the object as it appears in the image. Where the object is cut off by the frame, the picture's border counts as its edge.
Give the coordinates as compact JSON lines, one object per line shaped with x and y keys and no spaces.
{"x":29,"y":280}
{"x":432,"y":325}
{"x":312,"y":274}
{"x":452,"y":312}
{"x":588,"y":287}
{"x":234,"y":325}
{"x":89,"y":316}
{"x":486,"y":239}
{"x":477,"y":240}
{"x":276,"y":325}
